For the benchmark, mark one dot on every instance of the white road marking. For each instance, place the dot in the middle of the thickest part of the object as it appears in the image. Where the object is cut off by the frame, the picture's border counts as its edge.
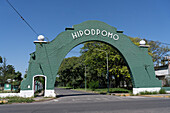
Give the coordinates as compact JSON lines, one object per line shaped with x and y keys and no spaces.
{"x":55,"y":100}
{"x":98,"y":98}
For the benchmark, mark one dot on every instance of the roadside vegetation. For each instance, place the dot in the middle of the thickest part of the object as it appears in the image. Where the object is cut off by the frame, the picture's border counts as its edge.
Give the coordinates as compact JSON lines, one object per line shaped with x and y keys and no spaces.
{"x":15,"y":99}
{"x":161,"y":91}
{"x":105,"y":90}
{"x":8,"y":75}
{"x":15,"y":91}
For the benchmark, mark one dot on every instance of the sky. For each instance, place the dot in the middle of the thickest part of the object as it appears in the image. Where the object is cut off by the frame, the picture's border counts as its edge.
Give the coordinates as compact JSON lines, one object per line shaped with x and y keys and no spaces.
{"x":149,"y":19}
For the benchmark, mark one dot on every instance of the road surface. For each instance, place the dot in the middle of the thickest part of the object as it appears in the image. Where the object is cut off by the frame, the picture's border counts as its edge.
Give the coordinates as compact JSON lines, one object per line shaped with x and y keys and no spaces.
{"x":80,"y":102}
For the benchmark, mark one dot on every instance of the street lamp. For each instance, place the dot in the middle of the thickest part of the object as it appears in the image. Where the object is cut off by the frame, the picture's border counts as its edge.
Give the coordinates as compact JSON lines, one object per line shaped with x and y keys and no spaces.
{"x":85,"y":79}
{"x":107,"y":68}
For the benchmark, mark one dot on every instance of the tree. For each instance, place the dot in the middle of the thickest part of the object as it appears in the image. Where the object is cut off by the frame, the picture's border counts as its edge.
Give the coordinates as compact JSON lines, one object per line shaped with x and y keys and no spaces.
{"x":7,"y":72}
{"x":96,"y":61}
{"x":0,"y":59}
{"x":156,"y":50}
{"x":3,"y":72}
{"x":72,"y":69}
{"x":70,"y":72}
{"x":25,"y":75}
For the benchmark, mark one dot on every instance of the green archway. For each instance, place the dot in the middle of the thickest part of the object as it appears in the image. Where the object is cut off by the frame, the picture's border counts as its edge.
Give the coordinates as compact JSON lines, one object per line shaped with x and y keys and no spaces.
{"x":48,"y":56}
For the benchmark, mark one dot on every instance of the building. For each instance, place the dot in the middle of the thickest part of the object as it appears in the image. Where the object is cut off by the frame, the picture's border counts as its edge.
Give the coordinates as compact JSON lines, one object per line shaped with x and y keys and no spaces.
{"x":163,"y":73}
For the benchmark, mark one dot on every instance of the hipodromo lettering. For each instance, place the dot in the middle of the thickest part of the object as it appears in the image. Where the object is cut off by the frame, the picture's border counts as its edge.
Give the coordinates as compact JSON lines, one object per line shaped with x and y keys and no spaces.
{"x":87,"y":32}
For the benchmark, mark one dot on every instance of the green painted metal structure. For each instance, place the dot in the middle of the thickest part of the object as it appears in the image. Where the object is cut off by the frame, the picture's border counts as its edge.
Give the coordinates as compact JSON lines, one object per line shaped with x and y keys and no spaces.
{"x":7,"y":87}
{"x":48,"y":56}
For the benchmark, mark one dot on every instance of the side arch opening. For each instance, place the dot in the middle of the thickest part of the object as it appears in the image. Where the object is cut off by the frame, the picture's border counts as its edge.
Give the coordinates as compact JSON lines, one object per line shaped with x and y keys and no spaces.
{"x":39,"y":85}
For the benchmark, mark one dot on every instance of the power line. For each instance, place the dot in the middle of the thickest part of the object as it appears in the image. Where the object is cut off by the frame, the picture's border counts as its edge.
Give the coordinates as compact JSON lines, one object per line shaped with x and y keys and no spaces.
{"x":22,"y":17}
{"x":46,"y":37}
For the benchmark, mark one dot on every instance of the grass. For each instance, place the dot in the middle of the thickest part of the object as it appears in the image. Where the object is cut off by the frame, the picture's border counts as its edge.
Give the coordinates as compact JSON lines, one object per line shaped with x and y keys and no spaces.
{"x":162,"y":91}
{"x":9,"y":91}
{"x":122,"y":90}
{"x":65,"y":87}
{"x":104,"y":90}
{"x":148,"y":93}
{"x":16,"y":99}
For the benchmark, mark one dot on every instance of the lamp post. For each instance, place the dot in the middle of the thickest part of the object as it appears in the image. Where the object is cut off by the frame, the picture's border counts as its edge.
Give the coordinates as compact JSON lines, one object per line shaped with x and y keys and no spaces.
{"x":85,"y":79}
{"x":107,"y":68}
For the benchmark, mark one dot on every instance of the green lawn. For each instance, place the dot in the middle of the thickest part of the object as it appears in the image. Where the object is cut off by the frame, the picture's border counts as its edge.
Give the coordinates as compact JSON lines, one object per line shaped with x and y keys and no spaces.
{"x":16,"y":99}
{"x":104,"y":90}
{"x":9,"y":91}
{"x":65,"y":87}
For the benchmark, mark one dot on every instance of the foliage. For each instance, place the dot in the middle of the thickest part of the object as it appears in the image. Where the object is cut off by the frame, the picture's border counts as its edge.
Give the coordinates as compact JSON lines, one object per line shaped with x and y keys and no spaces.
{"x":104,"y":90}
{"x":113,"y":90}
{"x":65,"y":87}
{"x":119,"y":90}
{"x":148,"y":93}
{"x":1,"y":59}
{"x":71,"y":72}
{"x":156,"y":50}
{"x":40,"y":79}
{"x":94,"y":56}
{"x":8,"y":74}
{"x":93,"y":85}
{"x":16,"y":91}
{"x":16,"y":99}
{"x":162,"y":91}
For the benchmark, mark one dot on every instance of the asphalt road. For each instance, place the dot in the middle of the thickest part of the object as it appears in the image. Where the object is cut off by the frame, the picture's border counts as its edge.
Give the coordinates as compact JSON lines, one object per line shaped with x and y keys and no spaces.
{"x":80,"y":102}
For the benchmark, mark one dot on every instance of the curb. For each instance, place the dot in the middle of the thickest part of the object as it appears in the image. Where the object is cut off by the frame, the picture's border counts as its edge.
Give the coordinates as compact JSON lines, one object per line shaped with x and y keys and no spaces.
{"x":122,"y":95}
{"x":3,"y":101}
{"x":158,"y":96}
{"x":43,"y":100}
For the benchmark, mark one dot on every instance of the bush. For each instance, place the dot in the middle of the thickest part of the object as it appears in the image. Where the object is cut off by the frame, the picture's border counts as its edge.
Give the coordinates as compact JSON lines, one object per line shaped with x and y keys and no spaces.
{"x":93,"y":85}
{"x":16,"y":99}
{"x":162,"y":91}
{"x":119,"y":90}
{"x":148,"y":93}
{"x":16,"y":91}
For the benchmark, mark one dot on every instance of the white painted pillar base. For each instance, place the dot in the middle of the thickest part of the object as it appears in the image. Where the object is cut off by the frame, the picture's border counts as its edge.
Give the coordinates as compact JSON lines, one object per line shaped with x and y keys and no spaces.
{"x":9,"y":94}
{"x":49,"y":93}
{"x":138,"y":90}
{"x":167,"y":91}
{"x":27,"y":93}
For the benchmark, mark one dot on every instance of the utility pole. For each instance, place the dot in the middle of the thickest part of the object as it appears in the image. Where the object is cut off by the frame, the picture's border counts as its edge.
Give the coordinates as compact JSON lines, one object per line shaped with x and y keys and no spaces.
{"x":107,"y":61}
{"x":85,"y":79}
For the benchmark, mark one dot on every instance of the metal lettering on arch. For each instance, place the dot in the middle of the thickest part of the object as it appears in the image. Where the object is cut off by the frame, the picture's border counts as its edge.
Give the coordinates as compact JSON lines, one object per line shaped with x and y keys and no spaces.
{"x":47,"y":58}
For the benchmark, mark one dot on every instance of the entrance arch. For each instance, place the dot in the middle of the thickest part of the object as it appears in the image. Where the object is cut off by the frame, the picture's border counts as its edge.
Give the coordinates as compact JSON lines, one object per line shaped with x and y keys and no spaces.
{"x":48,"y":56}
{"x":33,"y":82}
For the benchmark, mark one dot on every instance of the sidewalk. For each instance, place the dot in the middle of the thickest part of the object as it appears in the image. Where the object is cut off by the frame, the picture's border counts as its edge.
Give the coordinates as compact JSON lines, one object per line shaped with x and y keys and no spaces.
{"x":41,"y":98}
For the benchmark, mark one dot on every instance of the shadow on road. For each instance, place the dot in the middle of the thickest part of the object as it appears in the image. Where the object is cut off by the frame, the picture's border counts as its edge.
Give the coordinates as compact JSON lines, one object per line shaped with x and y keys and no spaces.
{"x":76,"y":94}
{"x":61,"y":92}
